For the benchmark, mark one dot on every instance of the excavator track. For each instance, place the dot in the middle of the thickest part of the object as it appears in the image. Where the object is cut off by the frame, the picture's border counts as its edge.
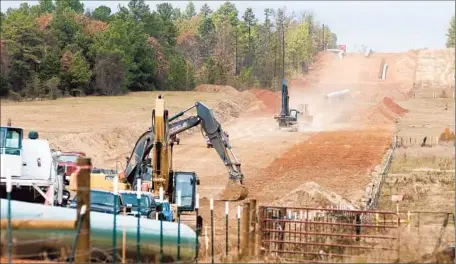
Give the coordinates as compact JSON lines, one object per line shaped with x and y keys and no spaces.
{"x":234,"y":192}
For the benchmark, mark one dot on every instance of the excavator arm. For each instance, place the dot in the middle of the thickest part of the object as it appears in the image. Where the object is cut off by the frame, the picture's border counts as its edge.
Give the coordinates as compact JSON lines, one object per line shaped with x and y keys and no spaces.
{"x":215,"y":134}
{"x":142,"y":148}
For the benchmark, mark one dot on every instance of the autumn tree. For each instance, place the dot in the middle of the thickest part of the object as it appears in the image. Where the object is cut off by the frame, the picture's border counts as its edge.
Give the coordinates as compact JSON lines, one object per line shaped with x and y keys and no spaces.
{"x":54,"y":49}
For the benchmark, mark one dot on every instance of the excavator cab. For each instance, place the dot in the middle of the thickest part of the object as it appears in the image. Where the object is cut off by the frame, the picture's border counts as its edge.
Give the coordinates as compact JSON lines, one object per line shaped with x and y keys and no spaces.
{"x":185,"y":182}
{"x":294,"y":114}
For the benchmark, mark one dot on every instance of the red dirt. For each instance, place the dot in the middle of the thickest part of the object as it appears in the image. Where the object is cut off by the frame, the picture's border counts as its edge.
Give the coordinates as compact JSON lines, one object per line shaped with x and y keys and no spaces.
{"x":269,"y":98}
{"x":340,"y":161}
{"x":447,"y":135}
{"x":393,"y":106}
{"x":385,"y":112}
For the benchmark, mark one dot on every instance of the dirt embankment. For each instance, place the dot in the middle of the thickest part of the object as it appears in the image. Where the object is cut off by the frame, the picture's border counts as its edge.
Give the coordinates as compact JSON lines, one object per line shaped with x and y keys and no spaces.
{"x":252,"y":100}
{"x":106,"y":146}
{"x":389,"y":109}
{"x":271,"y":101}
{"x":339,"y":161}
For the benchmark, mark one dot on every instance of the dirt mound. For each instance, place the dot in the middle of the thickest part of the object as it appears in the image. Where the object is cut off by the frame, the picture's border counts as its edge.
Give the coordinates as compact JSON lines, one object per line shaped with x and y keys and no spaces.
{"x":236,"y":104}
{"x":447,"y":135}
{"x":103,"y":147}
{"x":270,"y":99}
{"x":385,"y":112}
{"x":393,"y":106}
{"x":211,"y":88}
{"x":310,"y":194}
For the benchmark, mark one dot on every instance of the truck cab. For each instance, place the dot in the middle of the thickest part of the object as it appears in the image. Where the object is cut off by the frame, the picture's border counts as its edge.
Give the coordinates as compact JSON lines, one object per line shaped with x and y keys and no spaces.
{"x":31,"y":165}
{"x":11,"y":152}
{"x":67,"y":163}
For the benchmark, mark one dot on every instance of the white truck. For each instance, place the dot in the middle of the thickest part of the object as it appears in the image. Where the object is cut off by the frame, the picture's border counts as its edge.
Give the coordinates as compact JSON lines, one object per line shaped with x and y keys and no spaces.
{"x":32,"y":167}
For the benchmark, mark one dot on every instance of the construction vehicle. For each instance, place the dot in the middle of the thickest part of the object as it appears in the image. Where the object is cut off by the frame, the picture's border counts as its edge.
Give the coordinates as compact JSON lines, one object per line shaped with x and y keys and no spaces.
{"x":156,"y":143}
{"x":289,"y":117}
{"x":175,"y":139}
{"x":32,"y":167}
{"x":67,"y":162}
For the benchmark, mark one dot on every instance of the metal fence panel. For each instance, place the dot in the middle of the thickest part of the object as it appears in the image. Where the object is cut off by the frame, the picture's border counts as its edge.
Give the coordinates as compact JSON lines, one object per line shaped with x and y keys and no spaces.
{"x":328,"y":234}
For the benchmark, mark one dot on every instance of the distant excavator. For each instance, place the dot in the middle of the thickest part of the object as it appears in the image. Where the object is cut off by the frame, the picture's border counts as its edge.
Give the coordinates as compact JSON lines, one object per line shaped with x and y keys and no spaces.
{"x":288,"y":118}
{"x":157,"y":142}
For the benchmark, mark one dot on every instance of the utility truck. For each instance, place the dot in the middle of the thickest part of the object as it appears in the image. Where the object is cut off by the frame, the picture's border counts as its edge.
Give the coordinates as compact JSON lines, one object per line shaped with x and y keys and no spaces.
{"x":31,"y":166}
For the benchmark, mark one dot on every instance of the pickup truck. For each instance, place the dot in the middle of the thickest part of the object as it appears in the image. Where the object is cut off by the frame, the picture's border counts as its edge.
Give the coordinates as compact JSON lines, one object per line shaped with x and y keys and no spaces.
{"x":165,"y":210}
{"x":148,"y":207}
{"x":103,"y":201}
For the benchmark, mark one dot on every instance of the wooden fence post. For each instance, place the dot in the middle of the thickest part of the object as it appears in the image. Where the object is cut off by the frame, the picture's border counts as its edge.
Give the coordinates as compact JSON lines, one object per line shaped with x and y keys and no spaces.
{"x":83,"y":193}
{"x":259,"y":240}
{"x":245,"y":230}
{"x":253,"y":221}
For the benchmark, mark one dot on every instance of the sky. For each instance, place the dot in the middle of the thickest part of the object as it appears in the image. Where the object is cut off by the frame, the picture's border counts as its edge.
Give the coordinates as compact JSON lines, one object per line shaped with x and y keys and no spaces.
{"x":383,"y":26}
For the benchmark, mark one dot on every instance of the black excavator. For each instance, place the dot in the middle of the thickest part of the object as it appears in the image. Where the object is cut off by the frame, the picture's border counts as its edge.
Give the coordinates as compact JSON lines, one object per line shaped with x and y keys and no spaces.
{"x":288,"y":118}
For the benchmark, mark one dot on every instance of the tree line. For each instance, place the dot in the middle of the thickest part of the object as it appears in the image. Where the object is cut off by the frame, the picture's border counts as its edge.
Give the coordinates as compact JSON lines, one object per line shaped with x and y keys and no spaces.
{"x":450,"y":34}
{"x":57,"y":48}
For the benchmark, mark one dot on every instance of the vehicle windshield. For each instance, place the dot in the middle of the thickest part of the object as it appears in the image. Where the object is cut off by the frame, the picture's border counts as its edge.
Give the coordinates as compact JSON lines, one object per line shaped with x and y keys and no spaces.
{"x":147,"y":175}
{"x":293,"y":114}
{"x":184,"y":184}
{"x":104,"y":198}
{"x":130,"y":198}
{"x":68,"y":158}
{"x":11,"y":138}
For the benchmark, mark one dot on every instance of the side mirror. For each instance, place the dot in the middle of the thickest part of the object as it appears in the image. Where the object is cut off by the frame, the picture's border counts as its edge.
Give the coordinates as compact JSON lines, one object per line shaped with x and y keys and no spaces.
{"x":197,"y":181}
{"x":128,"y":208}
{"x":159,"y":208}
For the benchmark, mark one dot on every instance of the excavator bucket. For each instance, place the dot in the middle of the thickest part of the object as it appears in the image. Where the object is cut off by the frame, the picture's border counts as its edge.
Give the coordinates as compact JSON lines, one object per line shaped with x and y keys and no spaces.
{"x":234,"y":192}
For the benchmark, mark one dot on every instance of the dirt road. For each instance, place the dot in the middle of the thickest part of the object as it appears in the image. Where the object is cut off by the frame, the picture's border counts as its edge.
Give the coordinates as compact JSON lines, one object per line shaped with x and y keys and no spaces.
{"x":338,"y":152}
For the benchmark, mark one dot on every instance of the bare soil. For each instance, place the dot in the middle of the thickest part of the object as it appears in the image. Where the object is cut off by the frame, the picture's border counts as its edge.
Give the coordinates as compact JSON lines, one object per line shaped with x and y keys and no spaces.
{"x":345,"y":143}
{"x":424,"y":176}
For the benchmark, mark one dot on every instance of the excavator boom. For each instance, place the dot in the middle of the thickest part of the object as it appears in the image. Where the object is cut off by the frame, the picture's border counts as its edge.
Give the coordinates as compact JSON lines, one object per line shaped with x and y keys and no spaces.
{"x":214,"y":132}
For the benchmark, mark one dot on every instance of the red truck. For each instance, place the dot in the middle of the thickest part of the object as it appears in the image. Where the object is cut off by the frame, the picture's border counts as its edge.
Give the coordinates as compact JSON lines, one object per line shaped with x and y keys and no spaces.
{"x":67,"y":163}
